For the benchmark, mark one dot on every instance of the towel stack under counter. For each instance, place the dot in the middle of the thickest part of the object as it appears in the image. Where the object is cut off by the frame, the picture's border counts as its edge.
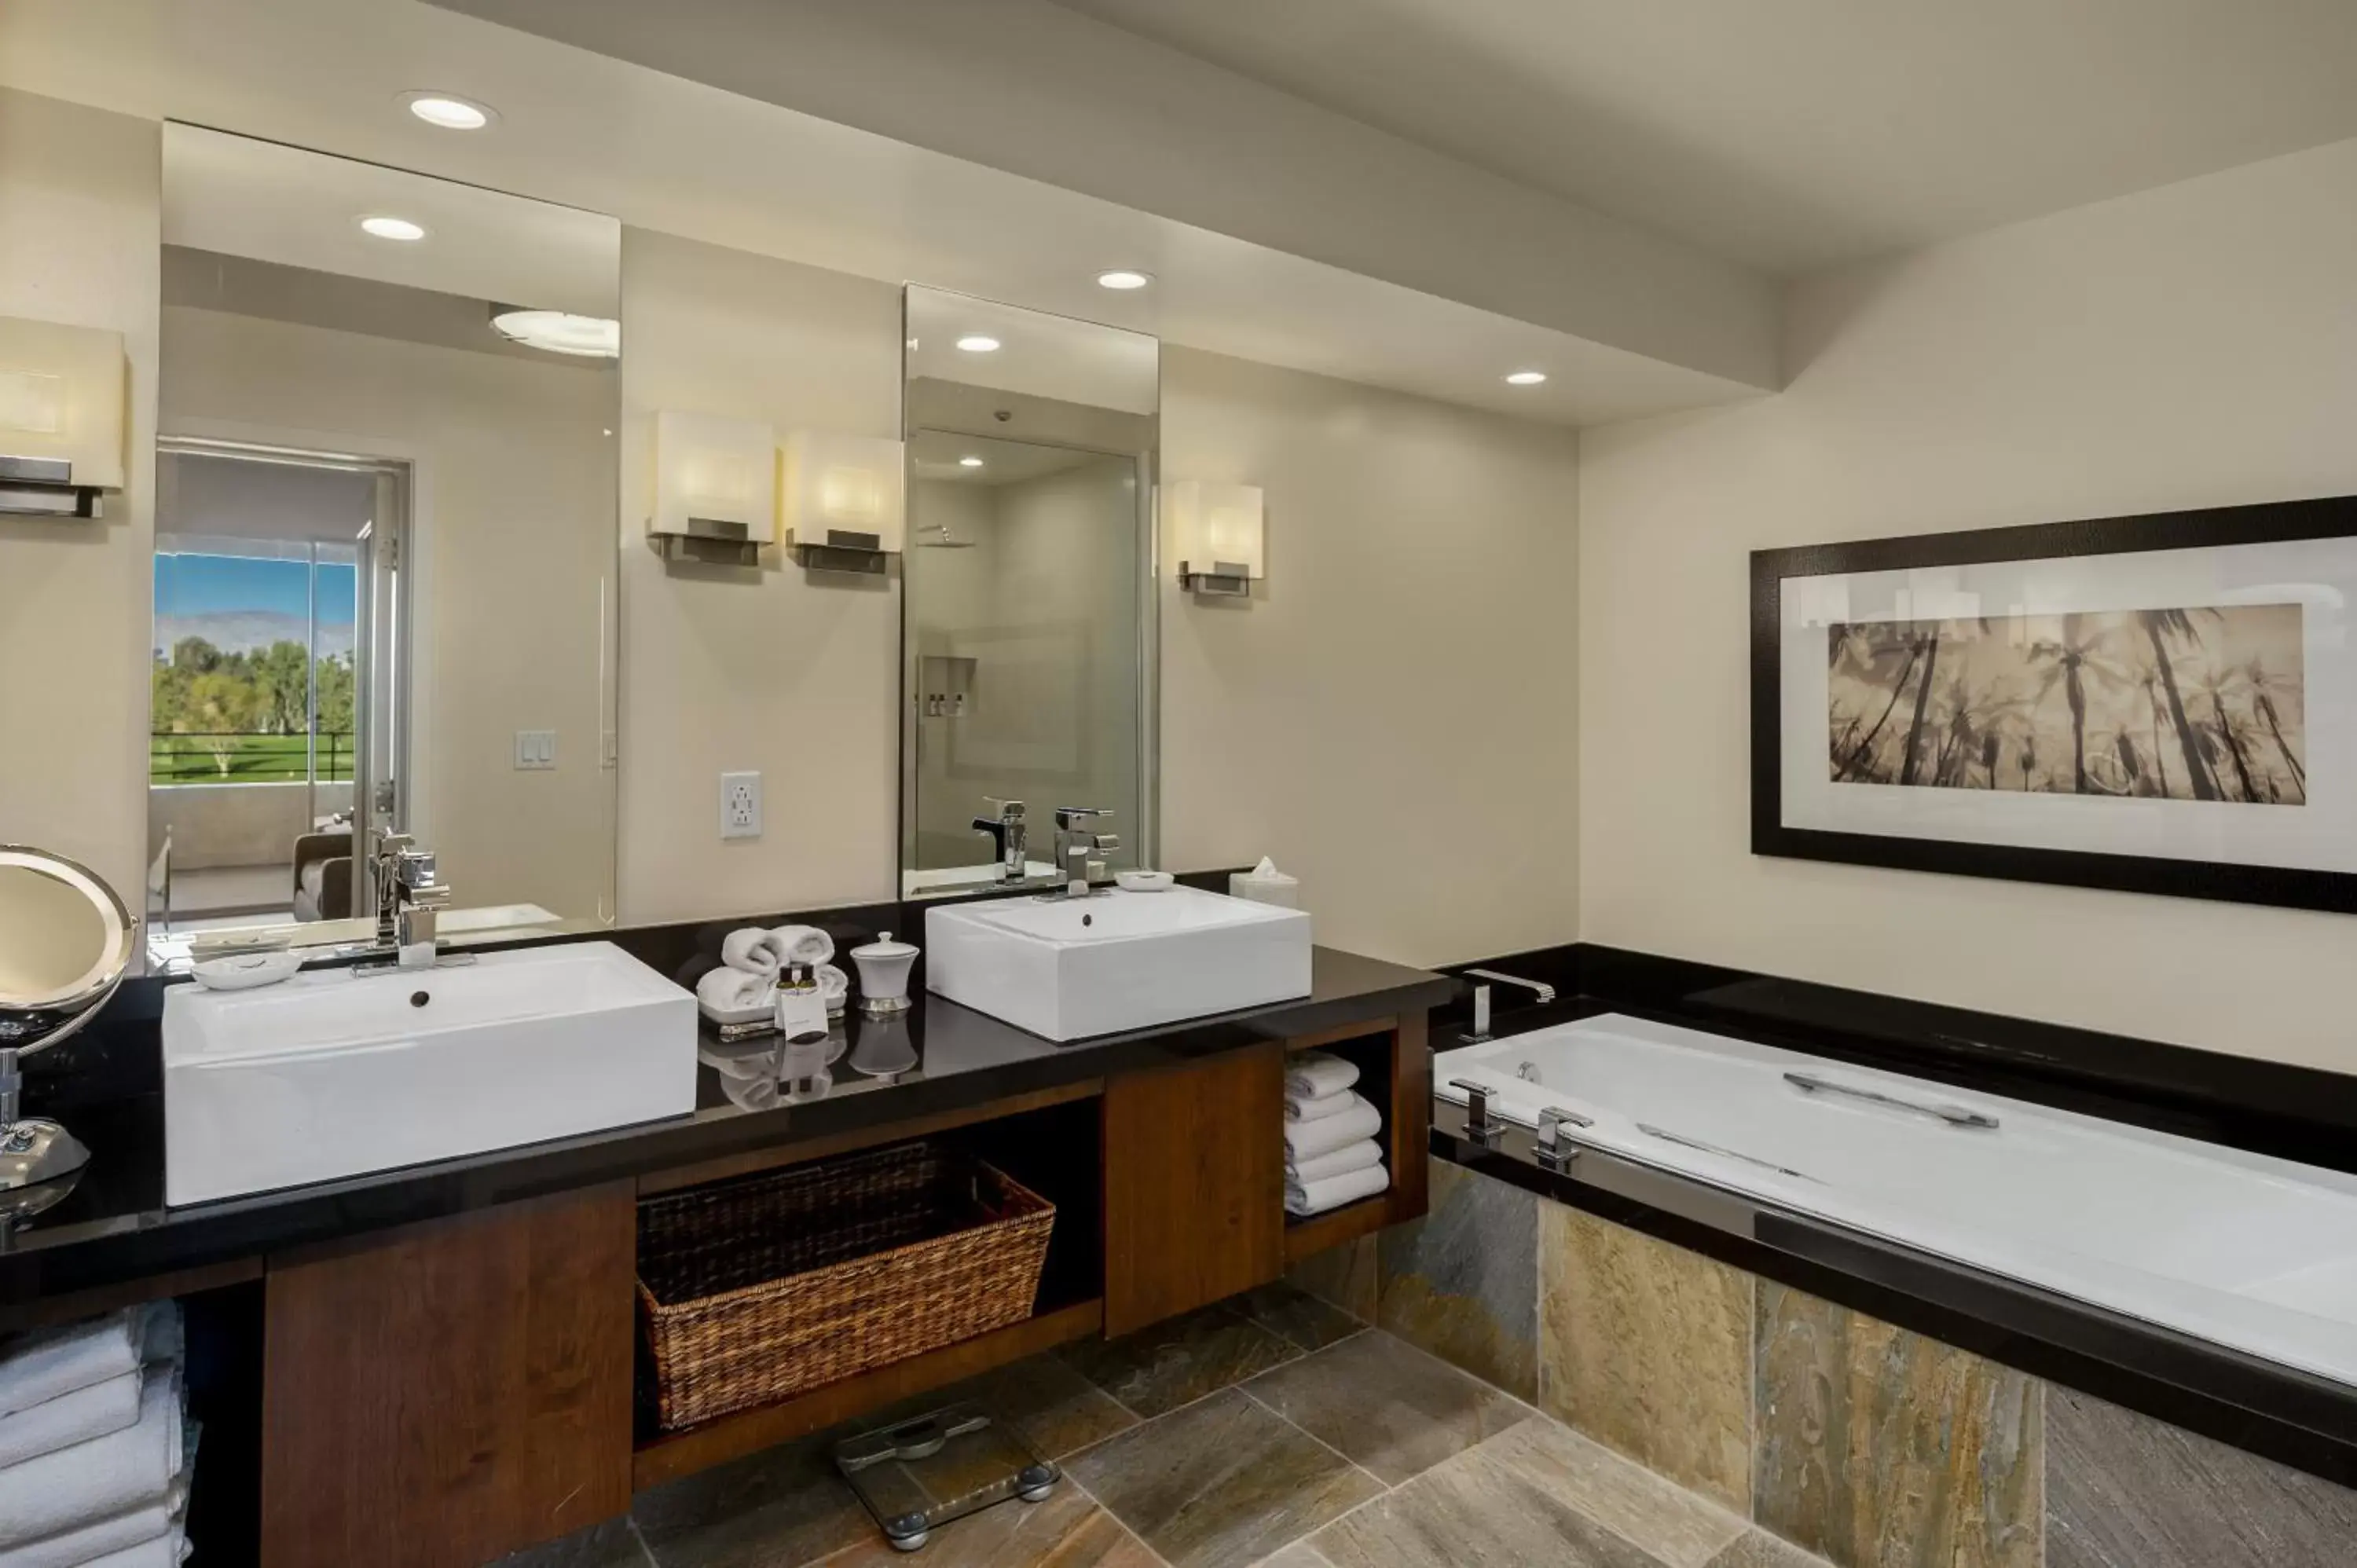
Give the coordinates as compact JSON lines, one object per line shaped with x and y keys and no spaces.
{"x":1333,"y":1153}
{"x":94,"y":1448}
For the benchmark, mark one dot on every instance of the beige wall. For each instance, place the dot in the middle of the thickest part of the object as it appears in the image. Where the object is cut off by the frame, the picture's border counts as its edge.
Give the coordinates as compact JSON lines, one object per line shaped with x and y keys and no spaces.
{"x":795,"y":676}
{"x":1393,"y":716}
{"x":512,"y":523}
{"x":79,"y":235}
{"x":2189,"y":347}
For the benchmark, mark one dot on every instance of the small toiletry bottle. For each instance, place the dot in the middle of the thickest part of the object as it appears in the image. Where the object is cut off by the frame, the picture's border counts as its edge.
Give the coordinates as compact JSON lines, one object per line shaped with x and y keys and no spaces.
{"x":802,"y":1002}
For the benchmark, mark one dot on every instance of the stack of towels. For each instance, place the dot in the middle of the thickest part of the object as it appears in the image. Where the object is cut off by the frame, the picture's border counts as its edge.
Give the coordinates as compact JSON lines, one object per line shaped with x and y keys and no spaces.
{"x":741,"y":991}
{"x":1331,"y":1156}
{"x":94,"y":1451}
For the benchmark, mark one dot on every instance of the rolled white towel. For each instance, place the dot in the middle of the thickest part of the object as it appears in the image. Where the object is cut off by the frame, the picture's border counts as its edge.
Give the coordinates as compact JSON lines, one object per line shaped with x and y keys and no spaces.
{"x":1351,"y":1157}
{"x":754,"y":950}
{"x":165,"y":1550}
{"x":44,"y":1364}
{"x":735,"y":991}
{"x":834,"y":985}
{"x":1314,"y":1075}
{"x":804,"y":944}
{"x":1307,"y":1140}
{"x":69,"y":1418}
{"x":116,"y":1474}
{"x":1323,"y":1106}
{"x":1334,"y":1191}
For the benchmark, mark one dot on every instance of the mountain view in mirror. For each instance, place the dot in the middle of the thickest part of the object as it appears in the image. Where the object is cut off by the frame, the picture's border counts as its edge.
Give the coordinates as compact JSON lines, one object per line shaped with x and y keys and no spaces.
{"x":384,"y":550}
{"x":1028,"y":622}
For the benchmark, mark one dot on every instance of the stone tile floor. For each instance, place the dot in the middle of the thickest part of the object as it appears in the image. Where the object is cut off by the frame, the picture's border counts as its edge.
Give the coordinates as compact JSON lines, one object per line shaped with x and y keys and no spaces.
{"x":1273,"y":1429}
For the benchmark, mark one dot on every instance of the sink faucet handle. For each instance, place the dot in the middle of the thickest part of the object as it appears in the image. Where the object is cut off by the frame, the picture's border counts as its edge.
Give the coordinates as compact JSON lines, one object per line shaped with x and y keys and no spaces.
{"x":1008,"y":810}
{"x":1105,"y":842}
{"x":1070,"y":817}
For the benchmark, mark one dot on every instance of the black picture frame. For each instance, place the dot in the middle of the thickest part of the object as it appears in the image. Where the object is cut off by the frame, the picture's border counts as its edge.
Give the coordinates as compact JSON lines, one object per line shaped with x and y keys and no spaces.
{"x":2262,"y":524}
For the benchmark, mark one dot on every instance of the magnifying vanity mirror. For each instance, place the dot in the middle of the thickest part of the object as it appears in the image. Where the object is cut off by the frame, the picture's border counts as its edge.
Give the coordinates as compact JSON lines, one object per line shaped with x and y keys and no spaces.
{"x":66,"y":941}
{"x":1028,"y":624}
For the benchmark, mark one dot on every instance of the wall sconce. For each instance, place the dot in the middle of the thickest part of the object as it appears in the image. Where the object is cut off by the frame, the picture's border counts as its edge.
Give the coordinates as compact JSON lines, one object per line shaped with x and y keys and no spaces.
{"x":716,"y":489}
{"x":62,"y":397}
{"x":844,"y":501}
{"x":1219,"y":536}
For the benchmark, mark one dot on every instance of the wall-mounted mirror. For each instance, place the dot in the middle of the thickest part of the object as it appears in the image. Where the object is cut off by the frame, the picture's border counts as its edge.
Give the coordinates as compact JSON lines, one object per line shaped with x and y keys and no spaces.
{"x":385,"y":548}
{"x":1029,"y":625}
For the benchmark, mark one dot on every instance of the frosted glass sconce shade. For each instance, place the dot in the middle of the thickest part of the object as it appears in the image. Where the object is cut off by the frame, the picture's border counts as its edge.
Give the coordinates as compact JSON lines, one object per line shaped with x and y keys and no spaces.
{"x":843,"y":501}
{"x":1218,"y":536}
{"x":61,"y":399}
{"x":715,"y":487}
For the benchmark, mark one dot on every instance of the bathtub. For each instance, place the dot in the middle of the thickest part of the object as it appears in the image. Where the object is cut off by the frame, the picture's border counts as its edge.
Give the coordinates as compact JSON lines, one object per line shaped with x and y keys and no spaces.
{"x":2255,"y":1253}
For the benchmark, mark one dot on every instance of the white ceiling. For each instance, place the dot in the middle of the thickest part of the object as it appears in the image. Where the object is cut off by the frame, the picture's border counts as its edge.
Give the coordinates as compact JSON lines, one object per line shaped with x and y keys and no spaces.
{"x":1037,"y":355}
{"x":1795,"y":134}
{"x":241,"y":197}
{"x":934,"y":454}
{"x":591,"y":132}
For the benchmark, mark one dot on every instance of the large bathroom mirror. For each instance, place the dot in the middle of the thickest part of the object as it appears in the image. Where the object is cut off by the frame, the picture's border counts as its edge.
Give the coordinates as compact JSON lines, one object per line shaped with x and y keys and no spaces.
{"x":385,"y":549}
{"x":1028,"y":621}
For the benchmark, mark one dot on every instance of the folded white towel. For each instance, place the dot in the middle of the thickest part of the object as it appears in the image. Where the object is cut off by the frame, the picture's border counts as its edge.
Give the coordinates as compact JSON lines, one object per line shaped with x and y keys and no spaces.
{"x":56,"y":1362}
{"x":730,"y":992}
{"x":1307,"y":1140}
{"x":1317,"y":1197}
{"x":165,"y":1550}
{"x":1351,"y":1157}
{"x":834,"y":985}
{"x":753,"y":950}
{"x":115,"y":1474}
{"x":118,"y":1532}
{"x":1314,"y":1075}
{"x":69,"y":1418}
{"x":1320,"y":1108}
{"x":804,"y":944}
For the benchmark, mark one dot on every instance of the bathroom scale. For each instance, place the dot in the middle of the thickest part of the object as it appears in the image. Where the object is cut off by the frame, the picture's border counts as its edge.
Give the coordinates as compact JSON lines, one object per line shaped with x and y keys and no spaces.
{"x":923,"y":1472}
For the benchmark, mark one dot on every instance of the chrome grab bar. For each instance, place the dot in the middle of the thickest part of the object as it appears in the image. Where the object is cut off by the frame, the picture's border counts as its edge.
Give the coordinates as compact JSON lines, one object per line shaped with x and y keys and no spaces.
{"x":1954,"y":1115}
{"x":1685,"y":1142}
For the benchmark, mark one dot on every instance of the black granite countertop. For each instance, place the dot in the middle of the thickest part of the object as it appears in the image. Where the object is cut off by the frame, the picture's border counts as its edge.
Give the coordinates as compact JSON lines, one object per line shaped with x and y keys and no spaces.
{"x":114,"y":1229}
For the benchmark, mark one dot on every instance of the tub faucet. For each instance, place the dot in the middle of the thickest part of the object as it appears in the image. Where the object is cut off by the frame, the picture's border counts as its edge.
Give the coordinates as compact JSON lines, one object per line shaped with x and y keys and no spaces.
{"x":1481,"y":1031}
{"x":1007,"y":831}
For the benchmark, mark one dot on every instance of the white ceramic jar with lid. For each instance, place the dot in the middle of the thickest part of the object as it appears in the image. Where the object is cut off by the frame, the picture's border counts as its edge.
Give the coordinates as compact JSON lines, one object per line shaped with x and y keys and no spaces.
{"x":883,"y":966}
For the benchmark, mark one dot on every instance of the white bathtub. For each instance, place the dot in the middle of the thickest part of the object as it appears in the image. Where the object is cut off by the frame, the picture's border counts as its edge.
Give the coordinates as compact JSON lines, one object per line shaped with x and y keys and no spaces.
{"x":2256,"y":1254}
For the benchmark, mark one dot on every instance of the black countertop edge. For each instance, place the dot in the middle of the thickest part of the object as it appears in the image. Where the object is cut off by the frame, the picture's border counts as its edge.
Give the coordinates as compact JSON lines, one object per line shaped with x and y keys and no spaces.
{"x":2279,"y":1412}
{"x":116,"y":1230}
{"x":2299,"y":1114}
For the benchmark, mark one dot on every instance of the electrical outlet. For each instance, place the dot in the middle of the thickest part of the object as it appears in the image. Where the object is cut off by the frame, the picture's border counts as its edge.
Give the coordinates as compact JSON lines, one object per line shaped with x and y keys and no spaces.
{"x":740,"y":805}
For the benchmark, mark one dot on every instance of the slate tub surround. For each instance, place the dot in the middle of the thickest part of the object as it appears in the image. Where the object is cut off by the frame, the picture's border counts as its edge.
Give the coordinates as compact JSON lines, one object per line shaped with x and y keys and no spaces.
{"x":1839,"y":1432}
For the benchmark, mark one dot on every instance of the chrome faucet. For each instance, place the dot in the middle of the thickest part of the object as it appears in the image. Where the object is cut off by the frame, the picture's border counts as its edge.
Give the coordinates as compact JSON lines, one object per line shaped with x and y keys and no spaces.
{"x":1481,"y":1031}
{"x":1076,"y":844}
{"x":1008,"y":830}
{"x":409,"y":898}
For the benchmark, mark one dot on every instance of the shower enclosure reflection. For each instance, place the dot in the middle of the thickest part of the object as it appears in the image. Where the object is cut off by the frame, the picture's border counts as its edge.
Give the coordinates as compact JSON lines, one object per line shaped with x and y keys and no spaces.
{"x":1028,"y":619}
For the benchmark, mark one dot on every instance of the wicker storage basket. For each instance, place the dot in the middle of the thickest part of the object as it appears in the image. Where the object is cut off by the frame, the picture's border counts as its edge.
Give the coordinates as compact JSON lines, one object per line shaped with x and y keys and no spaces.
{"x":753,"y":1291}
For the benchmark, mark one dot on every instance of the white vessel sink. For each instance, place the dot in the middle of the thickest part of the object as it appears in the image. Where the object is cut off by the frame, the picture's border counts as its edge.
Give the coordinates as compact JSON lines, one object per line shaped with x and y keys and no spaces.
{"x":333,"y":1074}
{"x":1068,"y":968}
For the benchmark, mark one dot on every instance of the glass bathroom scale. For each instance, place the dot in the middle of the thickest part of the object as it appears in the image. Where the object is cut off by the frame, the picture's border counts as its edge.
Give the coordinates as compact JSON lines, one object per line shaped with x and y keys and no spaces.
{"x":921,"y":1473}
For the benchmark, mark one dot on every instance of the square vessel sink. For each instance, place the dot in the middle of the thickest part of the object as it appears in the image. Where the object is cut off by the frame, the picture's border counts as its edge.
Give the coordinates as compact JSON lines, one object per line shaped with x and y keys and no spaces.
{"x":1068,"y":968}
{"x":336,"y":1073}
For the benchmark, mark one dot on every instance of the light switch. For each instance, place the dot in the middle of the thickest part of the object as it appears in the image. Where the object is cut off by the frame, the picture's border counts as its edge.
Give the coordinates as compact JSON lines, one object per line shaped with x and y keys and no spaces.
{"x":535,"y":749}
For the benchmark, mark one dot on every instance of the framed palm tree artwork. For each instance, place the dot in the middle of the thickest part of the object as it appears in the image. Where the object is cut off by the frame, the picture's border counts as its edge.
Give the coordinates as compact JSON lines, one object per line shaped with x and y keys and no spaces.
{"x":2163,"y":703}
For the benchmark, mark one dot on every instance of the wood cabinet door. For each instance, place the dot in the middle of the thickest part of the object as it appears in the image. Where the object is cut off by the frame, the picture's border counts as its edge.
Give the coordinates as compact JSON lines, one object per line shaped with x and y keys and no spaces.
{"x":1194,"y":1171}
{"x":452,"y":1392}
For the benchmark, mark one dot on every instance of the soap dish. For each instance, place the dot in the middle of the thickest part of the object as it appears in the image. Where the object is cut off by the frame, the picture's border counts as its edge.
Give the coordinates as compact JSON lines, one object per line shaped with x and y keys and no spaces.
{"x":244,"y":971}
{"x":1143,"y":881}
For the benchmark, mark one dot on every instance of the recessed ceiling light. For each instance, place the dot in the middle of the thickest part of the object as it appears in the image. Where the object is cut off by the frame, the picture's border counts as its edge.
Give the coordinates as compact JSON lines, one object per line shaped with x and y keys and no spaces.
{"x":1122,"y":277}
{"x":975,"y":343}
{"x":561,"y":332}
{"x":1525,"y":378}
{"x":448,"y":112}
{"x":969,"y":462}
{"x":385,"y":228}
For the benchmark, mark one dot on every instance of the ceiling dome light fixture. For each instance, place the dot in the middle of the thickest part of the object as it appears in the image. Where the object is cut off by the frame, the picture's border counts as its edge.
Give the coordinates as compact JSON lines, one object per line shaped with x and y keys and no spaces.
{"x":977,"y":343}
{"x":1124,"y":277}
{"x":560,"y":332}
{"x":384,"y":227}
{"x":448,"y":112}
{"x":1525,"y":378}
{"x":969,"y":462}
